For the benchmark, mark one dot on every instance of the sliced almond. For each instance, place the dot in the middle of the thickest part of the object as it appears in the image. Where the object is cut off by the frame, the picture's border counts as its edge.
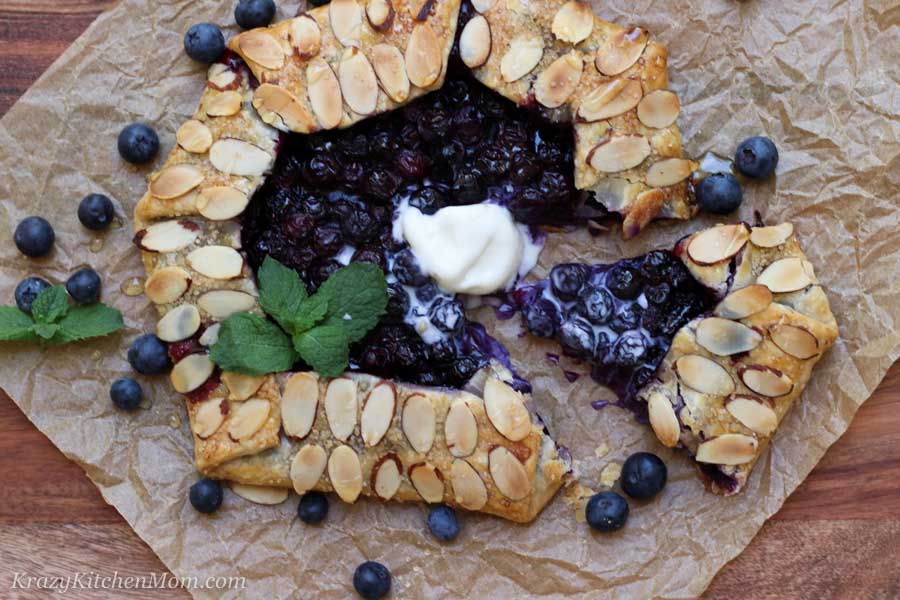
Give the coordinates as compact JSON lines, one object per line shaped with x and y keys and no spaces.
{"x":260,"y":494}
{"x":345,"y":17}
{"x":241,"y":386}
{"x":418,"y":422}
{"x":246,"y":418}
{"x":766,"y":381}
{"x":505,"y":408}
{"x":281,"y":109}
{"x":773,"y":236}
{"x":167,"y":285}
{"x":237,"y":157}
{"x":377,"y":412}
{"x":621,"y":50}
{"x":610,"y":99}
{"x":387,"y":475}
{"x":725,"y":337}
{"x":359,"y":85}
{"x":558,"y":81}
{"x":216,"y":262}
{"x":345,"y":473}
{"x":380,"y":14}
{"x":390,"y":68}
{"x":619,"y":153}
{"x":475,"y":42}
{"x":341,"y":407}
{"x":522,"y":57}
{"x":424,"y":56}
{"x":483,"y":6}
{"x":744,"y":302}
{"x":191,"y":372}
{"x":175,"y":181}
{"x":167,"y":236}
{"x":753,"y":413}
{"x":208,"y":417}
{"x":324,"y":93}
{"x":299,"y":404}
{"x":221,"y":304}
{"x":307,"y":467}
{"x":225,"y":104}
{"x":460,"y":429}
{"x":261,"y":48}
{"x":573,"y":23}
{"x":787,"y":275}
{"x":221,"y":77}
{"x":670,"y":171}
{"x":428,"y":482}
{"x":210,"y":335}
{"x":221,"y":202}
{"x":178,"y":324}
{"x":469,"y":490}
{"x":663,"y":420}
{"x":509,"y":474}
{"x":194,"y":137}
{"x":718,"y":243}
{"x":727,"y":449}
{"x":659,"y":109}
{"x":794,"y":340}
{"x":305,"y":36}
{"x":704,"y":375}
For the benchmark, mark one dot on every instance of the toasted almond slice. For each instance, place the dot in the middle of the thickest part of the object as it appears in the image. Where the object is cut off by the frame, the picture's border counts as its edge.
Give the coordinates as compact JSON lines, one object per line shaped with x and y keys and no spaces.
{"x":307,"y":467}
{"x":221,"y":202}
{"x":191,"y":372}
{"x":766,"y":381}
{"x":460,"y":429}
{"x":753,"y":413}
{"x":744,"y":302}
{"x":483,"y":6}
{"x":221,"y":304}
{"x":418,"y":422}
{"x":428,"y":481}
{"x":795,"y":340}
{"x":209,"y":417}
{"x":505,"y":408}
{"x":610,"y":99}
{"x":718,"y":243}
{"x":663,"y":420}
{"x":377,"y":412}
{"x":469,"y":490}
{"x":324,"y":93}
{"x":345,"y":17}
{"x":619,"y":153}
{"x":359,"y":85}
{"x":167,"y":236}
{"x":521,"y":58}
{"x":509,"y":474}
{"x":260,"y":494}
{"x":621,"y":50}
{"x":194,"y":137}
{"x":305,"y":36}
{"x":387,"y":474}
{"x":246,"y":418}
{"x":281,"y":109}
{"x":221,"y":77}
{"x":573,"y":23}
{"x":345,"y":473}
{"x":178,"y":324}
{"x":380,"y":14}
{"x":424,"y":56}
{"x":773,"y":236}
{"x":225,"y":104}
{"x":299,"y":404}
{"x":261,"y":48}
{"x":167,"y":285}
{"x":175,"y":181}
{"x":237,"y":157}
{"x":241,"y":386}
{"x":475,"y":42}
{"x":670,"y":171}
{"x":704,"y":375}
{"x":341,"y":407}
{"x":216,"y":262}
{"x":659,"y":109}
{"x":391,"y":71}
{"x":727,"y":449}
{"x":787,"y":275}
{"x":210,"y":335}
{"x":725,"y":337}
{"x":558,"y":81}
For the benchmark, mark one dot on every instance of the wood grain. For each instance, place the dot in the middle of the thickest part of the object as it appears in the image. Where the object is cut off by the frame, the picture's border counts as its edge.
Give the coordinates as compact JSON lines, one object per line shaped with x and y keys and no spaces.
{"x":837,"y":537}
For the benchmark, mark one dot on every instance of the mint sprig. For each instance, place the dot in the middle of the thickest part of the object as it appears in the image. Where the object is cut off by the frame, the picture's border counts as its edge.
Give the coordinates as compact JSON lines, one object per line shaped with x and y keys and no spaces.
{"x":318,"y":329}
{"x":53,"y":320}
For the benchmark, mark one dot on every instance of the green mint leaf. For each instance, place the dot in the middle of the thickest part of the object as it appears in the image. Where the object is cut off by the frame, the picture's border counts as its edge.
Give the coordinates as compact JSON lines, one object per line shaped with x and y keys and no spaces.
{"x":50,"y":305}
{"x":325,"y":348}
{"x":16,"y":326}
{"x":252,"y":345}
{"x":84,"y":322}
{"x":280,"y":291}
{"x":357,"y":297}
{"x":311,"y":312}
{"x":46,"y":330}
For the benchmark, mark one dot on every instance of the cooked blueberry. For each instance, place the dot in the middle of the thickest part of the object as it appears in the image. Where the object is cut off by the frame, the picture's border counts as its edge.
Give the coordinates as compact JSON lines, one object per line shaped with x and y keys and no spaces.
{"x":370,"y":255}
{"x":34,"y":237}
{"x":126,"y":393}
{"x":567,"y":280}
{"x":656,"y":264}
{"x":148,"y":356}
{"x":398,"y":301}
{"x":493,"y":162}
{"x":756,"y":157}
{"x":321,"y":169}
{"x":380,"y":184}
{"x":626,"y":317}
{"x":629,"y":350}
{"x":358,"y":224}
{"x":427,"y":292}
{"x":204,"y":42}
{"x":372,"y":580}
{"x":512,"y":134}
{"x":443,"y":523}
{"x":384,"y":145}
{"x":596,"y":303}
{"x":447,"y":315}
{"x":84,"y":286}
{"x":467,"y":188}
{"x":96,"y":211}
{"x":250,"y":14}
{"x":406,"y":269}
{"x":577,"y":336}
{"x":327,"y":239}
{"x":606,"y":512}
{"x":643,"y":475}
{"x":138,"y":143}
{"x":643,"y":375}
{"x":434,"y":124}
{"x":313,"y":508}
{"x":206,"y":495}
{"x":719,"y":193}
{"x":412,"y":164}
{"x":554,"y":186}
{"x":541,"y":318}
{"x":29,"y":289}
{"x":624,"y":282}
{"x":428,"y":200}
{"x":657,"y":294}
{"x":524,"y":167}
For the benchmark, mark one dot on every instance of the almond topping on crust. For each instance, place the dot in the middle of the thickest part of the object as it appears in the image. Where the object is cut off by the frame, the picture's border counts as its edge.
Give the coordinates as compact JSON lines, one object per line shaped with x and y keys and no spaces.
{"x":744,"y":302}
{"x":724,"y":337}
{"x":718,"y":243}
{"x":521,"y":58}
{"x":194,"y":136}
{"x":380,"y":14}
{"x":753,"y":413}
{"x":178,"y":324}
{"x":210,"y":335}
{"x":558,"y":81}
{"x":358,"y":82}
{"x":475,"y":42}
{"x":377,"y":412}
{"x":418,"y":422}
{"x":619,"y":153}
{"x":387,"y":476}
{"x":261,"y":48}
{"x":221,"y":77}
{"x":659,"y":109}
{"x":246,"y":418}
{"x":428,"y":482}
{"x":345,"y":17}
{"x":610,"y":99}
{"x":469,"y":490}
{"x":663,"y":420}
{"x":221,"y":304}
{"x":573,"y":23}
{"x":795,"y":340}
{"x":509,"y":474}
{"x":299,"y":404}
{"x":483,"y":6}
{"x":324,"y":93}
{"x":237,"y":157}
{"x":341,"y":407}
{"x":241,"y":386}
{"x":727,"y":449}
{"x":305,"y":35}
{"x":391,"y":71}
{"x":460,"y":429}
{"x":505,"y":408}
{"x":345,"y":473}
{"x":424,"y":56}
{"x":216,"y":262}
{"x":167,"y":236}
{"x":281,"y":109}
{"x":670,"y":171}
{"x":167,"y":285}
{"x":260,"y":494}
{"x":175,"y":181}
{"x":225,"y":104}
{"x":773,"y":236}
{"x":307,"y":467}
{"x":209,"y":416}
{"x":220,"y":202}
{"x":191,"y":372}
{"x":766,"y":381}
{"x":787,"y":275}
{"x":621,"y":50}
{"x":704,"y":375}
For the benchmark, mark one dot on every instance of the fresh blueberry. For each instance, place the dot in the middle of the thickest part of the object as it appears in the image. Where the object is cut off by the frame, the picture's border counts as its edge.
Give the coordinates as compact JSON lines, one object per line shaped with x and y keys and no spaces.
{"x":126,"y":393}
{"x":756,"y":157}
{"x":372,"y":580}
{"x":251,"y":14}
{"x":577,"y":337}
{"x":719,"y":193}
{"x":84,"y":286}
{"x":624,"y":282}
{"x":541,"y":318}
{"x":204,"y":42}
{"x":443,"y":523}
{"x":596,"y":304}
{"x":96,"y":211}
{"x":406,"y":269}
{"x":606,"y":512}
{"x":447,"y":315}
{"x":643,"y":475}
{"x":138,"y":143}
{"x":148,"y":355}
{"x":34,"y":237}
{"x":29,"y":289}
{"x":206,"y":495}
{"x":313,"y":508}
{"x":566,"y":280}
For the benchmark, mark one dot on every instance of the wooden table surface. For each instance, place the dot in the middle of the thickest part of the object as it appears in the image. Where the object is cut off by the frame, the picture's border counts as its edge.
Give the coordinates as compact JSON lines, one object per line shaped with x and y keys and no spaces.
{"x":838,"y":536}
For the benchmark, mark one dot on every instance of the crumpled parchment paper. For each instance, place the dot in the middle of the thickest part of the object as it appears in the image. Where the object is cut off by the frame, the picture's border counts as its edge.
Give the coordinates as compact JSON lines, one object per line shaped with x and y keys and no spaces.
{"x":819,"y":79}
